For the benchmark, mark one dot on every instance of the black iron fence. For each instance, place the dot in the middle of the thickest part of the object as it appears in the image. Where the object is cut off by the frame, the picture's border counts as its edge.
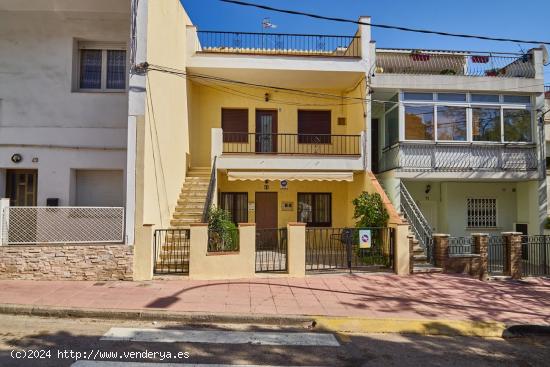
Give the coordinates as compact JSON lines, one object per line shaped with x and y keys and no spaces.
{"x":271,"y":250}
{"x":223,"y":239}
{"x":496,"y":255}
{"x":280,"y":44}
{"x":460,"y":245}
{"x":308,"y":144}
{"x":171,"y":249}
{"x":535,"y":253}
{"x":349,"y":248}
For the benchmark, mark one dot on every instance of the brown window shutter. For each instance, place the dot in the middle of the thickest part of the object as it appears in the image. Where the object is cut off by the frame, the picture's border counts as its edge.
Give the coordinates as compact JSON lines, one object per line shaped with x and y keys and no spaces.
{"x":311,"y":123}
{"x":235,"y":125}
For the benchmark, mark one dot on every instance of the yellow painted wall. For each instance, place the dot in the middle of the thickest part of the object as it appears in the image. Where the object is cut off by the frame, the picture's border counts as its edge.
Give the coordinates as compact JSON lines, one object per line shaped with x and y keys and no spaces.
{"x":166,"y":118}
{"x":342,"y":195}
{"x":207,"y":101}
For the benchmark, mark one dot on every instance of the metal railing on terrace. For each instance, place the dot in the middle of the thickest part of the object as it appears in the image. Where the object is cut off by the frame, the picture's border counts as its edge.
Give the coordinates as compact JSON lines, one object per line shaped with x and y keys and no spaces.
{"x":279,"y":44}
{"x":464,"y":63}
{"x":25,"y":225}
{"x":306,"y":144}
{"x":457,"y":157}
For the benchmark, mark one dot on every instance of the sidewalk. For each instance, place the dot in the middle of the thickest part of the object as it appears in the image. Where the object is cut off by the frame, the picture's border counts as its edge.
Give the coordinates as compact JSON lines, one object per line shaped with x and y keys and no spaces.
{"x":374,"y":296}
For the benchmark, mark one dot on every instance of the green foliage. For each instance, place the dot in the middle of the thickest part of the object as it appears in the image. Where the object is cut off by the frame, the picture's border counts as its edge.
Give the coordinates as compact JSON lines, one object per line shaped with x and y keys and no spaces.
{"x":222,"y":232}
{"x":370,"y":211}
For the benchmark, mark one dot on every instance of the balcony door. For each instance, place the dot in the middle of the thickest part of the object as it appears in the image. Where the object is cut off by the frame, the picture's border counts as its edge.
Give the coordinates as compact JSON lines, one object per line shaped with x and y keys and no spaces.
{"x":266,"y":130}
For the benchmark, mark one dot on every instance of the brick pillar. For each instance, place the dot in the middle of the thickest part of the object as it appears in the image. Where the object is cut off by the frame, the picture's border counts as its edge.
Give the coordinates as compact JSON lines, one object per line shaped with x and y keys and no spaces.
{"x":513,"y":254}
{"x":441,"y":249}
{"x":481,"y":247}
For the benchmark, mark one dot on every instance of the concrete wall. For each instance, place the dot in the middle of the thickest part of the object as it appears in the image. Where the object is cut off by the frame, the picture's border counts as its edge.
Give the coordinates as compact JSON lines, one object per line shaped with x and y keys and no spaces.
{"x":41,"y":117}
{"x":166,"y":141}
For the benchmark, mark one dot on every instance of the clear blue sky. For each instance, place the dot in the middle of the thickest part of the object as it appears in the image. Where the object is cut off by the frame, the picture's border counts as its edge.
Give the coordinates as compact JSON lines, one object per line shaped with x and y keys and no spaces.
{"x":501,"y":18}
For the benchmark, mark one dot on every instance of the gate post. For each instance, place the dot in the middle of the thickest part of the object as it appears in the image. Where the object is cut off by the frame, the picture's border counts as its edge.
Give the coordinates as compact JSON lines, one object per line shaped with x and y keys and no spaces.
{"x":481,"y":247}
{"x":441,"y":249}
{"x":4,"y":203}
{"x":401,"y":249}
{"x":296,"y":249}
{"x":144,"y":256}
{"x":512,"y":242}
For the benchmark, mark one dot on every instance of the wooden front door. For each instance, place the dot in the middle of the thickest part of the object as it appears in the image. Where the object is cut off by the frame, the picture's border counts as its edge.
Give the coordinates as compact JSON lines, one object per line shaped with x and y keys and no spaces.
{"x":21,"y":187}
{"x":266,"y":131}
{"x":266,"y":210}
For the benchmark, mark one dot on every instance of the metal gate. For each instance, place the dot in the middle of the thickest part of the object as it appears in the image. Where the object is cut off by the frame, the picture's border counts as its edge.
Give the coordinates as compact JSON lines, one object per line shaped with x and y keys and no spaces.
{"x":535,"y":251}
{"x":171,"y":248}
{"x":496,"y":255}
{"x":271,"y":250}
{"x":338,"y":248}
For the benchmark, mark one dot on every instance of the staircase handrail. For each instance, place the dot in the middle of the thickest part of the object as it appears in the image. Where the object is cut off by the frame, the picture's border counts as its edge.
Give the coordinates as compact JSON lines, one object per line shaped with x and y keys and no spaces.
{"x":210,"y":193}
{"x":418,"y":222}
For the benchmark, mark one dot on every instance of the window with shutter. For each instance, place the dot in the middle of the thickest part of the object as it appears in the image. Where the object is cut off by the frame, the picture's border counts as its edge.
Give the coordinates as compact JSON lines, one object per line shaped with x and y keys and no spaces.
{"x":235,"y":125}
{"x":313,"y":127}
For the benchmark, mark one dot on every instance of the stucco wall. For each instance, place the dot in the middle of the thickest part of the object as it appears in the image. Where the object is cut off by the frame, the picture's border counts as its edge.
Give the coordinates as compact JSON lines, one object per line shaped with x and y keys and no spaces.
{"x":208,"y":100}
{"x":41,"y":117}
{"x":166,"y":141}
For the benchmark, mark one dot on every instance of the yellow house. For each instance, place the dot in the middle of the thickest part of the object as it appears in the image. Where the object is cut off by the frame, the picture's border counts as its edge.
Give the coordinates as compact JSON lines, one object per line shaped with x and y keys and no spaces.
{"x":271,"y":127}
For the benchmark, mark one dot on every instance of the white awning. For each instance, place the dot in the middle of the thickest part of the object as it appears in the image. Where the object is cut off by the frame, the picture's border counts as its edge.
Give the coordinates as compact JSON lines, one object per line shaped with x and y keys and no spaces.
{"x":290,"y":176}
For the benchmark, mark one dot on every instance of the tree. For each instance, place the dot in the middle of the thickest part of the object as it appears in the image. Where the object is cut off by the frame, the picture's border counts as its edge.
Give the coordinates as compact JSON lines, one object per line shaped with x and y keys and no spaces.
{"x":370,"y":211}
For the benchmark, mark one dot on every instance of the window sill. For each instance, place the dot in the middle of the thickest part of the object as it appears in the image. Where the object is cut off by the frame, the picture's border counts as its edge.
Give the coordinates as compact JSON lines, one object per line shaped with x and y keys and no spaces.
{"x":483,"y":228}
{"x":100,"y":91}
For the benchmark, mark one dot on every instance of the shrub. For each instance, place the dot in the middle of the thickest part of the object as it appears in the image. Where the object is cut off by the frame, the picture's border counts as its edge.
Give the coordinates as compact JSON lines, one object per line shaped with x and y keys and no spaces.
{"x":222,"y":232}
{"x":370,"y":211}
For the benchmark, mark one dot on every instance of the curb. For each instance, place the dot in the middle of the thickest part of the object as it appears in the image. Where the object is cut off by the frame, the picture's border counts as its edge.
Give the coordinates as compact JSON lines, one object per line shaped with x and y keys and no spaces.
{"x":322,"y":323}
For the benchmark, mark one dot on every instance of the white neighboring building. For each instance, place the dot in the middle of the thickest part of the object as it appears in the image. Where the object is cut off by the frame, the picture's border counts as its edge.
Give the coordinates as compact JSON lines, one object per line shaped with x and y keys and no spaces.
{"x":63,"y":101}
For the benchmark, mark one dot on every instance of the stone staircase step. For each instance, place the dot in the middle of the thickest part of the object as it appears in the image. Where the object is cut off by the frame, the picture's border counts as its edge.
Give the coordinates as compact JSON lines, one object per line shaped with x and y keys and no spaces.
{"x":183,"y":222}
{"x":188,"y":215}
{"x":426,"y":268}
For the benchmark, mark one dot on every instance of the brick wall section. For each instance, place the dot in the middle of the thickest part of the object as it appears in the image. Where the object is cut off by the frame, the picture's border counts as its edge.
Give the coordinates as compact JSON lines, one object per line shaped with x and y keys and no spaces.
{"x":67,"y":262}
{"x":513,"y":254}
{"x":481,"y":247}
{"x":474,"y":264}
{"x":441,"y":249}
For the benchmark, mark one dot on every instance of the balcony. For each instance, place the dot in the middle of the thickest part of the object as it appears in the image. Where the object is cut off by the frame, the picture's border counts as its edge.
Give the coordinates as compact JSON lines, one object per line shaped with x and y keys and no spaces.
{"x":288,"y":151}
{"x":279,"y":44}
{"x":459,"y":157}
{"x":303,"y":144}
{"x":455,"y":63}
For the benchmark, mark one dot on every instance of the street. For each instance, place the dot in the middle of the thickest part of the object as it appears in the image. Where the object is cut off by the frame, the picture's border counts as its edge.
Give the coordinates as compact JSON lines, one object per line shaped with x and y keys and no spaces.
{"x":37,"y":341}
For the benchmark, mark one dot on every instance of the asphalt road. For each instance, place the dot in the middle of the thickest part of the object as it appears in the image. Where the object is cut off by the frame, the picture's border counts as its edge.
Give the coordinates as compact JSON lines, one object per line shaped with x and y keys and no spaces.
{"x":56,"y":342}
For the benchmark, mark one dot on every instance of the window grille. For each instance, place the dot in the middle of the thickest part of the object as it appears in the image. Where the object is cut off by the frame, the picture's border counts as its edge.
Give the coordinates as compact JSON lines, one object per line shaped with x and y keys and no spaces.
{"x":482,"y":213}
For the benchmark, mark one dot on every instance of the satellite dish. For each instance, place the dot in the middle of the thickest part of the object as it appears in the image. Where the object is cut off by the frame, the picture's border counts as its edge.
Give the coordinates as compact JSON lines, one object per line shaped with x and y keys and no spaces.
{"x":544,"y":54}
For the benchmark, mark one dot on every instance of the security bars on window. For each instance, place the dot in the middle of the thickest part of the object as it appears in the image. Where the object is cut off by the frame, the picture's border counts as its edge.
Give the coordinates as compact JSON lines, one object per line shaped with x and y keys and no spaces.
{"x":40,"y":225}
{"x":482,"y":213}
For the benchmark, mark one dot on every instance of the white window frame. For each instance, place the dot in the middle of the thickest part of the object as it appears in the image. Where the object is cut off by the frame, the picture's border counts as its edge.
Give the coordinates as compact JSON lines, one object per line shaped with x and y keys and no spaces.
{"x":104,"y":47}
{"x":496,"y":213}
{"x":469,"y":105}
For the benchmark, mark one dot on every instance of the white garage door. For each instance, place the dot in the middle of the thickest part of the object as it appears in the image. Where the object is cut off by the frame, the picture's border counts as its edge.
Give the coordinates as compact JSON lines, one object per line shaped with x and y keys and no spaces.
{"x":99,"y":188}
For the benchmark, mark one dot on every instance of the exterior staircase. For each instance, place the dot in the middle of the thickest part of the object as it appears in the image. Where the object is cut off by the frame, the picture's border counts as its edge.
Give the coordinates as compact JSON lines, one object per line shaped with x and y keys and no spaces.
{"x":173,"y":254}
{"x":420,"y":231}
{"x":192,"y":198}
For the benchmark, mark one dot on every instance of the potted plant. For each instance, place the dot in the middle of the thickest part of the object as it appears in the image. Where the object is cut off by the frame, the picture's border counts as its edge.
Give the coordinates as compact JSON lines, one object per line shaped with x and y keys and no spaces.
{"x":417,"y":55}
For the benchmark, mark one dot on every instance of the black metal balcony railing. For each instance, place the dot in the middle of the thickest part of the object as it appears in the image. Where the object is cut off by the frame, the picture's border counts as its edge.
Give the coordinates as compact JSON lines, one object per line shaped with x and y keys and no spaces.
{"x":424,"y":62}
{"x":459,"y":157}
{"x":279,"y":44}
{"x":306,"y":144}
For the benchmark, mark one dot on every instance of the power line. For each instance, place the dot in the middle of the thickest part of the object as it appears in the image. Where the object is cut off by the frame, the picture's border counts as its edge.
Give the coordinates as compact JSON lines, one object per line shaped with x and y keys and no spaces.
{"x":385,"y":26}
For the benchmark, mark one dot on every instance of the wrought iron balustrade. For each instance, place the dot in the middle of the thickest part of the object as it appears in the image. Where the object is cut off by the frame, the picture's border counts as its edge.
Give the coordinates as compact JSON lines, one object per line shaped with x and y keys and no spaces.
{"x":461,"y":63}
{"x":458,"y":157}
{"x":307,"y":144}
{"x":279,"y":44}
{"x":460,"y":245}
{"x":419,"y":224}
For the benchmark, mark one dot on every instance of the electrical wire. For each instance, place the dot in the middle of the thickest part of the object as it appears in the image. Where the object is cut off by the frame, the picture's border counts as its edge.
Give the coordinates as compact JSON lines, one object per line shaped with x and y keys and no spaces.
{"x":385,"y":26}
